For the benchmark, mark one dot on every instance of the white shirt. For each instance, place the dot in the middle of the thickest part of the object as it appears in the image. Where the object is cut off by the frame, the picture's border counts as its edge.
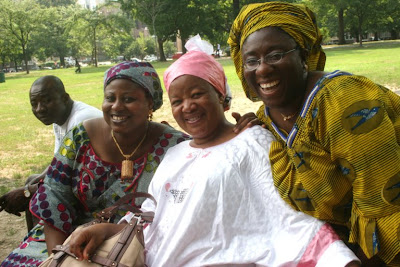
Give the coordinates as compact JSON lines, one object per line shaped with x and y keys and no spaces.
{"x":219,"y":206}
{"x":80,"y":112}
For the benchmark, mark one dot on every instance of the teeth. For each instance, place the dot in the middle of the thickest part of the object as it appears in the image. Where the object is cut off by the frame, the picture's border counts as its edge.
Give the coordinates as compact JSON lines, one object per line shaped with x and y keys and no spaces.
{"x":193,"y":119}
{"x":268,"y":85}
{"x":118,"y":118}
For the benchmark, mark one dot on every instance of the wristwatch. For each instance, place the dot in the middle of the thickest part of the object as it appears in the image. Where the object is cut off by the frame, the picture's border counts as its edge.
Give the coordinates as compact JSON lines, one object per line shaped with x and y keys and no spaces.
{"x":27,"y":193}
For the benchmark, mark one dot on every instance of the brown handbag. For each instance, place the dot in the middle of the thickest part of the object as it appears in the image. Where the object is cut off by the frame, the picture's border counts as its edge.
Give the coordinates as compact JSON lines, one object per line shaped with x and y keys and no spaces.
{"x":124,"y":249}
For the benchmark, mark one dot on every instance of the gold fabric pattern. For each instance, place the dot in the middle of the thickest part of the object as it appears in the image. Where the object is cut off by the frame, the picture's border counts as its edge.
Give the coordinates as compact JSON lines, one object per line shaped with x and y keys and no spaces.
{"x":351,"y":167}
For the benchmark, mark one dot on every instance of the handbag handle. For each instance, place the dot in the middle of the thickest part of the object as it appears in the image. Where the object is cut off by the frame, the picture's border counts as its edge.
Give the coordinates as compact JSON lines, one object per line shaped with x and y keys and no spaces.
{"x":108,"y":213}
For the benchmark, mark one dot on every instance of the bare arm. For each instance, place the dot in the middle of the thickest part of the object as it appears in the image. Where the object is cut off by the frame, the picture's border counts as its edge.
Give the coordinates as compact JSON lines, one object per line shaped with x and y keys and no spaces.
{"x":53,"y":238}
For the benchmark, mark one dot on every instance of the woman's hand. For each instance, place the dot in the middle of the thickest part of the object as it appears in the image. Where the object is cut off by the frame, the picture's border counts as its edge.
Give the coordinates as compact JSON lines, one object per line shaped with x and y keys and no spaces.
{"x":84,"y":241}
{"x":243,"y":122}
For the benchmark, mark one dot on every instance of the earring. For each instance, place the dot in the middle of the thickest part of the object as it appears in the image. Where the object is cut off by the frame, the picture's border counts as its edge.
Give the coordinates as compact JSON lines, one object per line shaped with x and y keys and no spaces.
{"x":221,"y":101}
{"x":150,"y":116}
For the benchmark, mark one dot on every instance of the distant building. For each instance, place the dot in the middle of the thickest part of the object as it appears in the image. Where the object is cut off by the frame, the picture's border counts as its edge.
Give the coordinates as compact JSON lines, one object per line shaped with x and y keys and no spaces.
{"x":90,"y":4}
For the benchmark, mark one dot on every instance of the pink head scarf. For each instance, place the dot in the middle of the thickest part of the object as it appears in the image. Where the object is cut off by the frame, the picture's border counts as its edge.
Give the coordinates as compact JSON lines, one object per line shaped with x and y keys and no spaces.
{"x":198,"y":63}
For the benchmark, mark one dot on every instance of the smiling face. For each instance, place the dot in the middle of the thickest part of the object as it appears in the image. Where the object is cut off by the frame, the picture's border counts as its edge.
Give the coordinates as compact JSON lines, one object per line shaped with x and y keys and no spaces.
{"x":48,"y":103}
{"x":196,"y":107}
{"x":281,"y":84}
{"x":125,"y":106}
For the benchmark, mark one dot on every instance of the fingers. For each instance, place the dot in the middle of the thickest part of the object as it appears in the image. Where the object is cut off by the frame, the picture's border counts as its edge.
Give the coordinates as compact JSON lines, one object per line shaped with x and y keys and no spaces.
{"x":77,"y":243}
{"x":85,"y":241}
{"x":236,"y":115}
{"x":245,"y":121}
{"x":91,"y":248}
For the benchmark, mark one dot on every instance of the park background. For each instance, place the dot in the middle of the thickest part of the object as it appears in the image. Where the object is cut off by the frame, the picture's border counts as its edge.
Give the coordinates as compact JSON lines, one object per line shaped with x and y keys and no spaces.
{"x":53,"y":30}
{"x":38,"y":34}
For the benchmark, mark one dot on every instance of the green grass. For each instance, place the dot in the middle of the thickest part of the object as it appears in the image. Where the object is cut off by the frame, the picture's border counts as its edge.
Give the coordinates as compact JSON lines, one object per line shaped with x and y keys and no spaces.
{"x":26,"y":145}
{"x":378,"y":61}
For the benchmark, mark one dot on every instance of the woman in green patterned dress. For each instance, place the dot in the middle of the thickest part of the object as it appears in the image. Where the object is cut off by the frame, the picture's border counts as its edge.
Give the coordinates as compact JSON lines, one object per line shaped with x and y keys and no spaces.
{"x":100,"y":160}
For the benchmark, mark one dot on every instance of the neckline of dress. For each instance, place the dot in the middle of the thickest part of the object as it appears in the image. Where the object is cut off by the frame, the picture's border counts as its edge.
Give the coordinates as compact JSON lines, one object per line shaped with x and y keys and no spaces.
{"x":289,"y":138}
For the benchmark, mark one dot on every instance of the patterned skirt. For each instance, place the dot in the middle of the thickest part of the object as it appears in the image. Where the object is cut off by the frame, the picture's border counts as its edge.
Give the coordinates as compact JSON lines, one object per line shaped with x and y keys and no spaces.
{"x":31,"y":252}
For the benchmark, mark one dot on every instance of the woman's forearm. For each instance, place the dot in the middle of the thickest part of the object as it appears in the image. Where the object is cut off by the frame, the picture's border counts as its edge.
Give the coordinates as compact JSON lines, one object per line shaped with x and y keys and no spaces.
{"x":53,"y":238}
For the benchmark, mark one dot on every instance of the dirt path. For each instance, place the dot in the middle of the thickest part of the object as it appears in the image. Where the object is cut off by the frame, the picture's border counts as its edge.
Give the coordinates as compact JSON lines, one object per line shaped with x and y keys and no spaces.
{"x":12,"y":231}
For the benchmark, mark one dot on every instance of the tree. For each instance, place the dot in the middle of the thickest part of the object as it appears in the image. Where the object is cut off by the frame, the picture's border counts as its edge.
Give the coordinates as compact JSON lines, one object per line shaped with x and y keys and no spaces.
{"x":331,"y":14}
{"x":8,"y":52}
{"x":362,"y":11}
{"x":149,"y":11}
{"x":94,"y":21}
{"x":392,"y":19}
{"x":53,"y":33}
{"x":20,"y":19}
{"x":116,"y":33}
{"x":78,"y":42}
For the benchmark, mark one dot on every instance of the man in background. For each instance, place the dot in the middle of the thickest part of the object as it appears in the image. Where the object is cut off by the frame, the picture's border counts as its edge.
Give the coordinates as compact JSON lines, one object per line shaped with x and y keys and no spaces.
{"x":51,"y":104}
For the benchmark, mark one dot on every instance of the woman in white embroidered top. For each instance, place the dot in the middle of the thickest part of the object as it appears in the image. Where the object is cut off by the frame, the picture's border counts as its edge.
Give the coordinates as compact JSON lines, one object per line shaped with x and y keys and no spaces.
{"x":217,"y":204}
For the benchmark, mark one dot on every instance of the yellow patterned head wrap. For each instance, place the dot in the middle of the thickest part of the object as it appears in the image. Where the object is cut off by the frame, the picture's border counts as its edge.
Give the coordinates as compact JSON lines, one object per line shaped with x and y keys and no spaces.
{"x":295,"y":19}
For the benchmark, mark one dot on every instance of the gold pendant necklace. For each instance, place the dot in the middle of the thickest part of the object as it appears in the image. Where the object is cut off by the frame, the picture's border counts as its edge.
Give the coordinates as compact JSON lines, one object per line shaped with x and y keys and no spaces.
{"x":285,"y":118}
{"x":127,"y":164}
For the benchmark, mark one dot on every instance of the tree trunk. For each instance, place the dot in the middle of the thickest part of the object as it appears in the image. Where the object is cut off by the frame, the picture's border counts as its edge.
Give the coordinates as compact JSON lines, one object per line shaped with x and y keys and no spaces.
{"x":62,"y":60}
{"x":341,"y":27}
{"x":376,"y":36}
{"x":25,"y":59}
{"x":94,"y":47}
{"x":360,"y":30}
{"x":393,"y":34}
{"x":161,"y":49}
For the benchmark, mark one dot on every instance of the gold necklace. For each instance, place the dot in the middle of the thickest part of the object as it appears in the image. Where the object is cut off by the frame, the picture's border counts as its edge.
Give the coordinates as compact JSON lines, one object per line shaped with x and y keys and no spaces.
{"x":285,"y":118}
{"x":127,"y":164}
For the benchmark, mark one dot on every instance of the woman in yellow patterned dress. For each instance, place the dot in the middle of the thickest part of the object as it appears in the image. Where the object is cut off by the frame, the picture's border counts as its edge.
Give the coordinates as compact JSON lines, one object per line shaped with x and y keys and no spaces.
{"x":337,"y":154}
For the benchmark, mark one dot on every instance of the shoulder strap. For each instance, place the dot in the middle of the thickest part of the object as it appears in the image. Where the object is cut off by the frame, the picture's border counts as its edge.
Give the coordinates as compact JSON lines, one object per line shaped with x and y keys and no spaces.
{"x":123,"y":204}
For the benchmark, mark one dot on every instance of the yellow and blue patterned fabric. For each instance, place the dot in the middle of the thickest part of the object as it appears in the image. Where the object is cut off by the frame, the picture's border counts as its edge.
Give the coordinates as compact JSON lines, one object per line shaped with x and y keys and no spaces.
{"x":295,"y":19}
{"x":341,"y":161}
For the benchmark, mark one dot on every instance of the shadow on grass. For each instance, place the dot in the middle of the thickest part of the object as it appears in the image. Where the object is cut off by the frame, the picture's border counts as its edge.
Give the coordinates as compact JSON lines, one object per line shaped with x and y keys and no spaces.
{"x":366,"y":45}
{"x":18,"y":180}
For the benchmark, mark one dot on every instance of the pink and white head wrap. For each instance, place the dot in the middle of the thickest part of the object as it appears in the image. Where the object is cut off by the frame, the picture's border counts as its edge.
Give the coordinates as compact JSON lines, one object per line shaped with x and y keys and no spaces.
{"x":199,"y":62}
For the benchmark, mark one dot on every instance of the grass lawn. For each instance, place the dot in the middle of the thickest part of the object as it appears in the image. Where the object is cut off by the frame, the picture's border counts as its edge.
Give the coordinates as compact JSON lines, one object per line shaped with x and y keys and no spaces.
{"x":26,"y":144}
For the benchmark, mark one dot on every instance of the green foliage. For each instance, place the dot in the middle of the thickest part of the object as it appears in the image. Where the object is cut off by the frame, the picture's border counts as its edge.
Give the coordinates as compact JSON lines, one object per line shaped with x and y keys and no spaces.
{"x":19,"y":19}
{"x":137,"y":48}
{"x":56,"y":3}
{"x":53,"y":33}
{"x":47,"y":28}
{"x":169,"y":49}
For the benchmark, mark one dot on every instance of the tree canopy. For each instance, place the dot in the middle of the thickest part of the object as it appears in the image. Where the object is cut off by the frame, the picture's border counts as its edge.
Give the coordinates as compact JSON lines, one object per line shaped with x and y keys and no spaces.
{"x":61,"y":28}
